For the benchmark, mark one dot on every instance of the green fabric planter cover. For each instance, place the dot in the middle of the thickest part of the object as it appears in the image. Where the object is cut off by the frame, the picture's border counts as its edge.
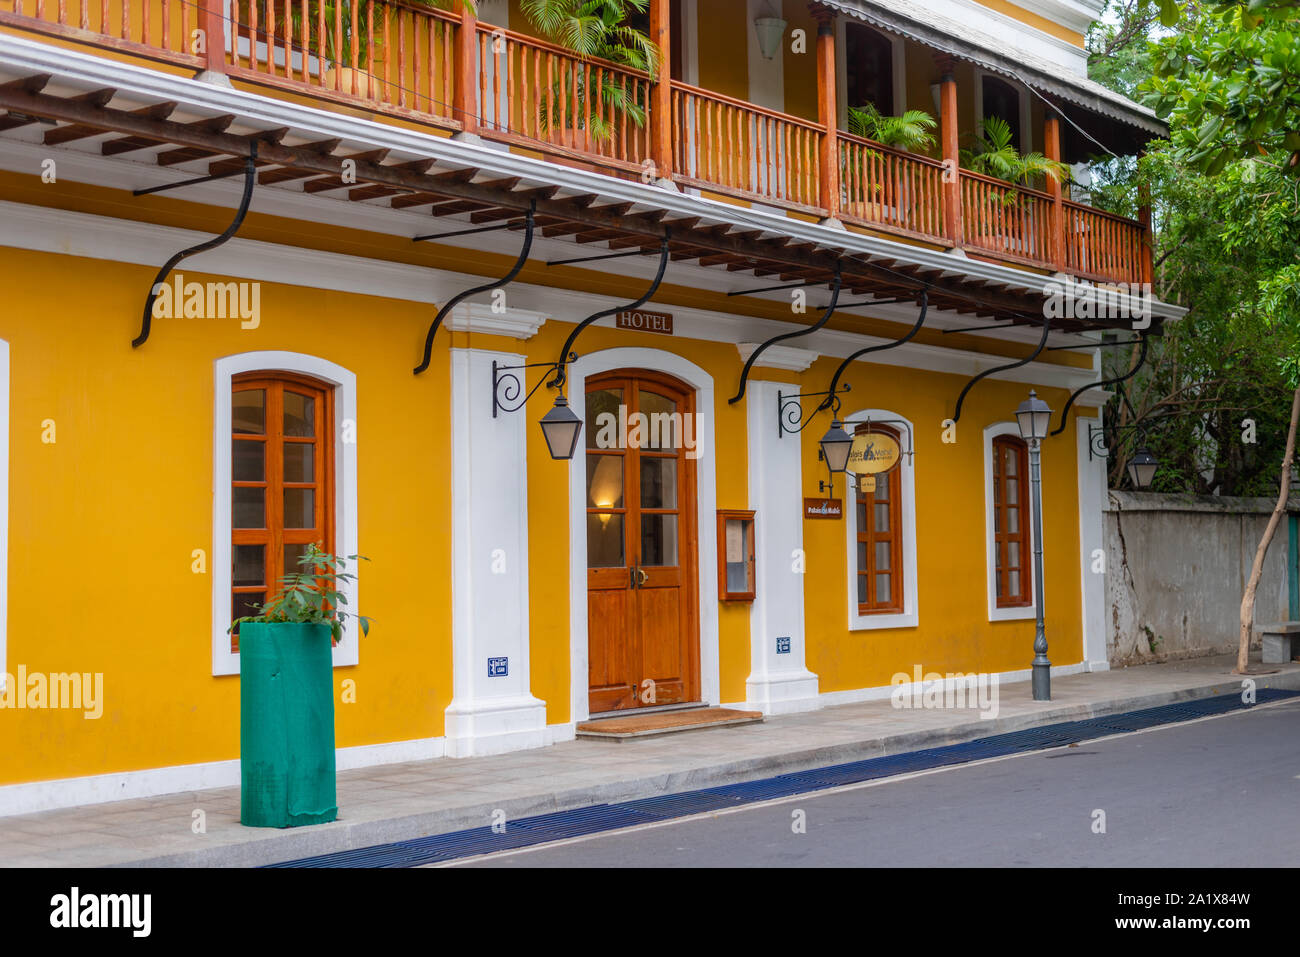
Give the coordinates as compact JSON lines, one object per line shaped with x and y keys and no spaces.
{"x":286,"y":728}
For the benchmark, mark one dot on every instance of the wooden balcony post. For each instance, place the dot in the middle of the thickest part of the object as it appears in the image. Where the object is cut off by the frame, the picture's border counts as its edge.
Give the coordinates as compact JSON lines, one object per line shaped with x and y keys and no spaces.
{"x":661,"y":94}
{"x":828,"y":178}
{"x":1052,"y":150}
{"x":1146,"y":244}
{"x":952,"y":218}
{"x":212,"y":23}
{"x":464,"y":101}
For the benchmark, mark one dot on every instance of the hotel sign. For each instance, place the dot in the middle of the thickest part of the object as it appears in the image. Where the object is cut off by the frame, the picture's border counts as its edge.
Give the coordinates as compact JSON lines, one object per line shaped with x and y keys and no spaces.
{"x":642,"y":321}
{"x":873,"y":453}
{"x":823,"y":508}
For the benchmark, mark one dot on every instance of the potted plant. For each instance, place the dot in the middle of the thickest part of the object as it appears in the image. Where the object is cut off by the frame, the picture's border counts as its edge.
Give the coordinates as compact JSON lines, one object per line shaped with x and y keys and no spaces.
{"x":993,"y":154}
{"x":913,"y":131}
{"x":599,"y":29}
{"x":286,"y":696}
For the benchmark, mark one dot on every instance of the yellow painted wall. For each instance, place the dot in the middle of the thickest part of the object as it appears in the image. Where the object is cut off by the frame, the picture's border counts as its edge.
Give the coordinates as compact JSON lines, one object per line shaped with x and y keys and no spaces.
{"x":723,"y":56}
{"x":1035,"y":20}
{"x":104,"y":520}
{"x":800,"y":69}
{"x":954,"y":633}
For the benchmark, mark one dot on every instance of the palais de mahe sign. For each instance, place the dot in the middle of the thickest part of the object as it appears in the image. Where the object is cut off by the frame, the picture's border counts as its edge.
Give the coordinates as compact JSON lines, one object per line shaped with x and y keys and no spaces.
{"x":823,"y":508}
{"x":873,"y":453}
{"x":642,"y":321}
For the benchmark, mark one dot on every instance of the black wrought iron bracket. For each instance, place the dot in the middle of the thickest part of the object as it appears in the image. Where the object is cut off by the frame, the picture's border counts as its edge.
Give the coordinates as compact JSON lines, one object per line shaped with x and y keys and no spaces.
{"x":561,"y":364}
{"x":1065,"y":413}
{"x":1096,"y":442}
{"x":508,"y":384}
{"x":881,"y":347}
{"x":457,"y":299}
{"x":1042,"y":342}
{"x":753,"y":356}
{"x":789,"y":409}
{"x":250,"y":180}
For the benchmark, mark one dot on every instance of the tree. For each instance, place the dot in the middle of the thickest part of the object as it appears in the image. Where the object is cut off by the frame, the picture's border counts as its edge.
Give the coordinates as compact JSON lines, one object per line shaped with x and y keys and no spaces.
{"x":1228,"y":79}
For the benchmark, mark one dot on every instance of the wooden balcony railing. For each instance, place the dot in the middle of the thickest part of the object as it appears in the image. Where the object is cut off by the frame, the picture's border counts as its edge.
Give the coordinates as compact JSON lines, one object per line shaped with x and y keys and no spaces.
{"x":155,"y":29}
{"x":532,"y":92}
{"x":890,"y":188}
{"x":407,"y":60}
{"x":1102,"y":246}
{"x":735,"y":147}
{"x":391,"y":55}
{"x":1014,"y":222}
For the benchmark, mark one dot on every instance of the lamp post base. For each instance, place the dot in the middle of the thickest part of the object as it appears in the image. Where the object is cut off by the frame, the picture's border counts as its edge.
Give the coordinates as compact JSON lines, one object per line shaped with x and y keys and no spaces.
{"x":1041,"y":681}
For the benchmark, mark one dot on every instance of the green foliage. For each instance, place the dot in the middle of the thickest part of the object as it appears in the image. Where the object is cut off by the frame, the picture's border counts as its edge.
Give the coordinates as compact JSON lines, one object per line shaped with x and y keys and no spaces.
{"x":597,"y":29}
{"x":313,"y":595}
{"x":993,"y":153}
{"x":1226,"y":247}
{"x":1228,"y":80}
{"x":911,"y":131}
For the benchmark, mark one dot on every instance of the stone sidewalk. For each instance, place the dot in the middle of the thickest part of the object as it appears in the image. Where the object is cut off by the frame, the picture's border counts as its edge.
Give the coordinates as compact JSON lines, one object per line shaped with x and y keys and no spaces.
{"x":402,"y":801}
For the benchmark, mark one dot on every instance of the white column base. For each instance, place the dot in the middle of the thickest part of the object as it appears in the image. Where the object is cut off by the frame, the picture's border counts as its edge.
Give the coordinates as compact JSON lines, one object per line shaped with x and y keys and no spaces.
{"x":496,"y":726}
{"x":783,"y":693}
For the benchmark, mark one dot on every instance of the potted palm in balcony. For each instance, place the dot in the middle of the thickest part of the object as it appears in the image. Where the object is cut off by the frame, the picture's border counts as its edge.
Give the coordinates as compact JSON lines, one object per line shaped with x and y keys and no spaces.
{"x":913,"y":131}
{"x":286,"y":696}
{"x":993,"y":154}
{"x":597,"y":29}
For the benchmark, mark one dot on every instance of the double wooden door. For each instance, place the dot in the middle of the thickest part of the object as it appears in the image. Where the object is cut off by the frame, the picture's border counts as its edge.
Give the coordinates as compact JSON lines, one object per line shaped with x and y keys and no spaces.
{"x":642,"y":620}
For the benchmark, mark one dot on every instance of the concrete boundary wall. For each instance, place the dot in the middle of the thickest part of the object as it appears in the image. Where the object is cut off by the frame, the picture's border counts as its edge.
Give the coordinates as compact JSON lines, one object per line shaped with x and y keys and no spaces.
{"x":1176,"y":567}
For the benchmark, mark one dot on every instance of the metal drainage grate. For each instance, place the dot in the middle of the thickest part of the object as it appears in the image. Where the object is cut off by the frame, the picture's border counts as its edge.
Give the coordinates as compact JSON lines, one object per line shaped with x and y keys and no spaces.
{"x":545,"y":828}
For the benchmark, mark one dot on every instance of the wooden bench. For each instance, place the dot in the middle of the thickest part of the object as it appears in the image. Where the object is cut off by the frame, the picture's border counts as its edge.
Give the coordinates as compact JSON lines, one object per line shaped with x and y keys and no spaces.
{"x":1281,"y":641}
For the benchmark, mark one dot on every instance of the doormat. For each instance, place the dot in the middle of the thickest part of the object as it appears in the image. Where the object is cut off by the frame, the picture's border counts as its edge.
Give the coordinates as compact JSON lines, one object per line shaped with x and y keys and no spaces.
{"x":665,"y":722}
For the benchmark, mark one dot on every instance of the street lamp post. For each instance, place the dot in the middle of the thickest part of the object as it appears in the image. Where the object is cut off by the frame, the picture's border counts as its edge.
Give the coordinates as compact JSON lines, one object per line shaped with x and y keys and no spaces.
{"x":1033,"y":417}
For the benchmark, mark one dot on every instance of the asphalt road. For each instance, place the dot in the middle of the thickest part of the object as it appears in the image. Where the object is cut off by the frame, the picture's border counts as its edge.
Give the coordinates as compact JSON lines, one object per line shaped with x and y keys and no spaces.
{"x":1221,"y":791}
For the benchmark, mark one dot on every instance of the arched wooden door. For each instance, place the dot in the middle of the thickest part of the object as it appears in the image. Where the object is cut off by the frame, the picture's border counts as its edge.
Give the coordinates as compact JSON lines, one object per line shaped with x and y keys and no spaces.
{"x":642,"y":564}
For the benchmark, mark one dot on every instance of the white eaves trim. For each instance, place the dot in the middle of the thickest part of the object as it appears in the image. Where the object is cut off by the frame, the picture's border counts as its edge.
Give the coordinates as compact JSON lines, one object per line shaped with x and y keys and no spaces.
{"x":778,"y":357}
{"x":129,"y":241}
{"x":21,"y":57}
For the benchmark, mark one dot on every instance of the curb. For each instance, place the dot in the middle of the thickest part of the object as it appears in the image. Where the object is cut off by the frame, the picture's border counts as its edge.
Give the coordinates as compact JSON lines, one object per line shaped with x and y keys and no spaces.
{"x":343,"y":836}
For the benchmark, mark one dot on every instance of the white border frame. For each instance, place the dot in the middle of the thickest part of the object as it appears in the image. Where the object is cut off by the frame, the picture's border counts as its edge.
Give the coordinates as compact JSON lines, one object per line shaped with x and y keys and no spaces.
{"x":4,"y":512}
{"x":909,"y":617}
{"x":347,"y":652}
{"x":1026,"y":113}
{"x":706,"y":505}
{"x":1019,"y":613}
{"x":898,"y":64}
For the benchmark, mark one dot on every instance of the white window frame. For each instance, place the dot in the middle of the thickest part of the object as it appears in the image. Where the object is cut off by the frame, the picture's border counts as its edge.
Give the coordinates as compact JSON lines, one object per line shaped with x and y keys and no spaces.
{"x":909,"y":617}
{"x":347,"y":652}
{"x":1026,"y":114}
{"x":4,"y":511}
{"x":1019,"y":612}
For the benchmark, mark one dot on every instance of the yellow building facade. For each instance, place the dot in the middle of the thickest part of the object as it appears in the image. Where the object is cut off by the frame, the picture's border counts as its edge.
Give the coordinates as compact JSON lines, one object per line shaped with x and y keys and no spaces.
{"x":506,"y":612}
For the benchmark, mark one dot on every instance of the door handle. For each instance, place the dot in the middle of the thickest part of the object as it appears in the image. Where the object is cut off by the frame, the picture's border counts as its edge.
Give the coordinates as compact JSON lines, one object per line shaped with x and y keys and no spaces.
{"x":642,"y":576}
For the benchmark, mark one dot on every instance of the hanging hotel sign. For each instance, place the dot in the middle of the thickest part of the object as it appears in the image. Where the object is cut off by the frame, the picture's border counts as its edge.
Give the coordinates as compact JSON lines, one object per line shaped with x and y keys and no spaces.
{"x":823,"y":508}
{"x":642,"y":321}
{"x":873,"y":453}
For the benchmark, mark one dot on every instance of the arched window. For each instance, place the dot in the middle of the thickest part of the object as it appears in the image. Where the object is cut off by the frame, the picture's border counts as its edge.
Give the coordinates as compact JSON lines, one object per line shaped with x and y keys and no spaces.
{"x":1011,"y":541}
{"x":869,"y":68}
{"x":880,"y":538}
{"x":1002,"y":100}
{"x":282,"y":489}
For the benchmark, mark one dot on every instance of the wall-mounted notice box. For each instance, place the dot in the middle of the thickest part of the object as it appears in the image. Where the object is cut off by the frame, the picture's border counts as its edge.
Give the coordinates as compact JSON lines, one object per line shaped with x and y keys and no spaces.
{"x":735,"y":556}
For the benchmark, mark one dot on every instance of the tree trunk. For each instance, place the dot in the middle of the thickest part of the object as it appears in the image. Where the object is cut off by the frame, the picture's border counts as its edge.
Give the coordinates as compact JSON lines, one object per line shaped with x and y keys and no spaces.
{"x":1257,"y":567}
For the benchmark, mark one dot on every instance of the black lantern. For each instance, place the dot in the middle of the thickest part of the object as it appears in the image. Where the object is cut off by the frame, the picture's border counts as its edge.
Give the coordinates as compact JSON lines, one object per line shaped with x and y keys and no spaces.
{"x":1142,"y":468}
{"x":1034,"y":417}
{"x":561,"y":428}
{"x":836,"y":444}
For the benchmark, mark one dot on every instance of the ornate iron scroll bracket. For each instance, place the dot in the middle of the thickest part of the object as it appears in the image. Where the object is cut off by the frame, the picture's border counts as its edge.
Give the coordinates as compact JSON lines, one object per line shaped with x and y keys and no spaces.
{"x":826,"y":316}
{"x":1065,"y":413}
{"x":1047,"y":328}
{"x":250,"y":180}
{"x":789,"y":409}
{"x":920,"y":321}
{"x":508,"y":384}
{"x":457,"y":299}
{"x":561,"y":364}
{"x":1096,"y":442}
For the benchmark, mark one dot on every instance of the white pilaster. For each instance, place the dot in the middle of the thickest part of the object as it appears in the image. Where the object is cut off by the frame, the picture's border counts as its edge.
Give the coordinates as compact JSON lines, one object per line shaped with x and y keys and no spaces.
{"x":1092,"y":499}
{"x":779,"y":682}
{"x":490,"y":713}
